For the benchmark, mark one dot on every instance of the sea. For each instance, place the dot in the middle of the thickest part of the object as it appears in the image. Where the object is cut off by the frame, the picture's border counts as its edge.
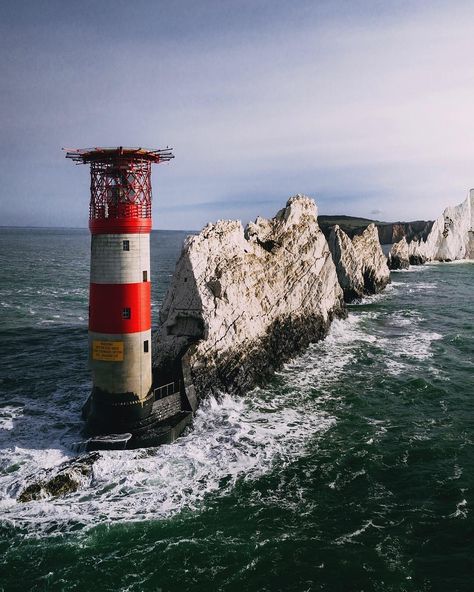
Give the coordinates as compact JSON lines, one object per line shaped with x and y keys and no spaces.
{"x":352,"y":470}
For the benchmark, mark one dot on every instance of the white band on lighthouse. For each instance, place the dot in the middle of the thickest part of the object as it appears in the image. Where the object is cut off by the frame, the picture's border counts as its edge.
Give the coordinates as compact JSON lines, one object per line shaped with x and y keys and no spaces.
{"x":120,"y":258}
{"x":121,"y":363}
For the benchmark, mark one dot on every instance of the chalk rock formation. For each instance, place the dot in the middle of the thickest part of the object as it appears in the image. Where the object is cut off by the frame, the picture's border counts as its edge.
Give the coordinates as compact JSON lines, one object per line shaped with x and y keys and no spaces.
{"x":399,"y":257}
{"x":374,"y":263}
{"x":348,"y":264}
{"x":242,"y":302}
{"x":417,"y":253}
{"x":360,"y":264}
{"x":452,"y":235}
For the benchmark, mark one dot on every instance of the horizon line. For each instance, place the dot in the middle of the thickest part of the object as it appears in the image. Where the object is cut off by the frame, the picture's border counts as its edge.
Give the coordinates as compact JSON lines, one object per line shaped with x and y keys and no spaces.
{"x":86,"y":228}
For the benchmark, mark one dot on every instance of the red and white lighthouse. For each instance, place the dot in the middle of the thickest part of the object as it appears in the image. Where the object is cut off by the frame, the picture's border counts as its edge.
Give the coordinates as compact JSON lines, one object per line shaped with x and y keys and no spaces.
{"x":120,"y":289}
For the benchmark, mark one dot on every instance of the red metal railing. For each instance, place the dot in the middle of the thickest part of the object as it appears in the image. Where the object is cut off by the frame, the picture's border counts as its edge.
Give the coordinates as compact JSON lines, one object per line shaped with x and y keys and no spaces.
{"x":120,"y":189}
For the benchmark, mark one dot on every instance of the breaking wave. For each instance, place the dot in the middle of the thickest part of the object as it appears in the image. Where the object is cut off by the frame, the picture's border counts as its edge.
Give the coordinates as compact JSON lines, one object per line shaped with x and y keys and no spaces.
{"x":232,"y":438}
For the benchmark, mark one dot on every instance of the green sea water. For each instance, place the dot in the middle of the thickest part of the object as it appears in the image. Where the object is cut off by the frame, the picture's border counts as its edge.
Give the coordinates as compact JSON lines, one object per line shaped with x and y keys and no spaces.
{"x":353,"y":470}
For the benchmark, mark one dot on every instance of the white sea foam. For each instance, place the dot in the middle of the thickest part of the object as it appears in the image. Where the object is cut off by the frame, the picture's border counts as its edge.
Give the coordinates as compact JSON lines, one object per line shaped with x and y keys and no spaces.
{"x":325,"y":362}
{"x":461,"y":510}
{"x":234,"y":438}
{"x":8,"y":414}
{"x":395,"y":367}
{"x":421,"y":287}
{"x":414,"y":345}
{"x":455,"y":262}
{"x":404,"y":341}
{"x":348,"y":538}
{"x":373,"y":298}
{"x":415,"y":269}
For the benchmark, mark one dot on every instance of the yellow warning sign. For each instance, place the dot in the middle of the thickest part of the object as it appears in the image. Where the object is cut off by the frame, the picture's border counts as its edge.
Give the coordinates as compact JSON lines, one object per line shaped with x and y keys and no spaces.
{"x":107,"y":351}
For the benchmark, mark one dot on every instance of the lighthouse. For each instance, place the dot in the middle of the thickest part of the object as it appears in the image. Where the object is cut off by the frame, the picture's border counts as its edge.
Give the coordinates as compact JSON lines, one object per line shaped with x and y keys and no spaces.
{"x":120,"y":291}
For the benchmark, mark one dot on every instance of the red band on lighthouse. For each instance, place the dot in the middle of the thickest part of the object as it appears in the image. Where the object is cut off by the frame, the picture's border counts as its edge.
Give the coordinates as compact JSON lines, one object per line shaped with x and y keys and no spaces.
{"x":120,"y":308}
{"x":120,"y":225}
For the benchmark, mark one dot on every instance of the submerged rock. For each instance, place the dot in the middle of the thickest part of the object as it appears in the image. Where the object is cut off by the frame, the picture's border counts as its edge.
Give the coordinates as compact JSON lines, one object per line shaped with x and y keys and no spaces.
{"x":360,"y":263}
{"x":399,"y":257}
{"x":242,"y":302}
{"x":59,"y":481}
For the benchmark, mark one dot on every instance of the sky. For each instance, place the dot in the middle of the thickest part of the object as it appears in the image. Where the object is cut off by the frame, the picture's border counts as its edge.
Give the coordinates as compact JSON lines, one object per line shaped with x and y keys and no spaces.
{"x":366,"y":106}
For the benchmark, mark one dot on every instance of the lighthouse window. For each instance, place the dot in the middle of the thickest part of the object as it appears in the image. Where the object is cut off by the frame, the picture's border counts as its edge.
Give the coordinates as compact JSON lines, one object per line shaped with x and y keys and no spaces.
{"x":145,"y":276}
{"x":145,"y":346}
{"x":126,"y":245}
{"x":126,"y":313}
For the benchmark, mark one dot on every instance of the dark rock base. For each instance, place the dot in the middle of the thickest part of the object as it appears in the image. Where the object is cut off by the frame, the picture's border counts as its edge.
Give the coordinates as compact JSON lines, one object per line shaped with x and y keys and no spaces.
{"x":373,"y":284}
{"x":395,"y":263}
{"x":417,"y":260}
{"x":60,"y":481}
{"x":351,"y":295}
{"x":244,"y":370}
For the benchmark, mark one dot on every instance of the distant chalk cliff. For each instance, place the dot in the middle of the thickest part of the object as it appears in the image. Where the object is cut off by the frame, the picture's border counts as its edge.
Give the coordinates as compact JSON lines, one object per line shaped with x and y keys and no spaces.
{"x":389,"y":232}
{"x":451,"y":237}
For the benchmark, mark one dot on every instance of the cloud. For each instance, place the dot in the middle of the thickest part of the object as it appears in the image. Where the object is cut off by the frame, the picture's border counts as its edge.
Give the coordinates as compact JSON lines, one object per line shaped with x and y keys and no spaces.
{"x":364,"y":110}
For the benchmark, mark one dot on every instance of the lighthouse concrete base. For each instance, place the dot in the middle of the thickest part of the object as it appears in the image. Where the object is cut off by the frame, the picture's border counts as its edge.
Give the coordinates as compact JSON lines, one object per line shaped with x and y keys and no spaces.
{"x":161,"y":421}
{"x":158,"y":432}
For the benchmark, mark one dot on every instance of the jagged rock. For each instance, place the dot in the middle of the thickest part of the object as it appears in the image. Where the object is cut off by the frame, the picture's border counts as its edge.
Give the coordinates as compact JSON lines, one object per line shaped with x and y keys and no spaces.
{"x":67,"y":478}
{"x":360,"y":263}
{"x":417,"y":253}
{"x":242,"y":302}
{"x":348,"y":264}
{"x":399,"y":257}
{"x":374,"y":263}
{"x":451,"y":237}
